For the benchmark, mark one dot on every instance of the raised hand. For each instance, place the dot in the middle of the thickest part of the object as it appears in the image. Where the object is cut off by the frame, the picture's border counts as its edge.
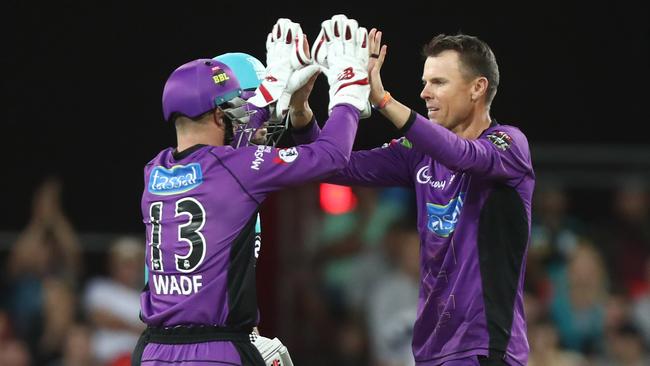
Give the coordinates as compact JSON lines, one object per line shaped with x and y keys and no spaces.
{"x":376,"y":60}
{"x":285,"y":53}
{"x":301,"y":81}
{"x":341,"y":49}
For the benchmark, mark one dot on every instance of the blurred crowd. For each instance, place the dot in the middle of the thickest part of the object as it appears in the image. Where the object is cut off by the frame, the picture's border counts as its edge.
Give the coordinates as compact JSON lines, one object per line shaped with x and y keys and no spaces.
{"x":50,"y":313}
{"x":587,"y":286}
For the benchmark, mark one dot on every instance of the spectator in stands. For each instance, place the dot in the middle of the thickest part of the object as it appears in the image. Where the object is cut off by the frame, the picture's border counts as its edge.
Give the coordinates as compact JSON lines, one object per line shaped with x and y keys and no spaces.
{"x":641,"y":308}
{"x":13,"y":352}
{"x":544,"y":347}
{"x":625,"y":348}
{"x":626,"y":237}
{"x":579,"y":300}
{"x":555,"y":234}
{"x":42,"y":272}
{"x":77,"y":348}
{"x":112,"y":303}
{"x":392,"y":304}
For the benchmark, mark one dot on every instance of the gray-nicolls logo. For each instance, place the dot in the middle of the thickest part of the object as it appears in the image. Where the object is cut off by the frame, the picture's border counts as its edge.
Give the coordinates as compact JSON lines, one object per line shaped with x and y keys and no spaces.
{"x":258,"y":245}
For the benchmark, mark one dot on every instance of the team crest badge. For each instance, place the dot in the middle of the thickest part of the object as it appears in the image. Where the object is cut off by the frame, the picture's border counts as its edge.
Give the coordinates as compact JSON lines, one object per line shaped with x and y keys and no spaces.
{"x":500,"y":139}
{"x":286,"y":156}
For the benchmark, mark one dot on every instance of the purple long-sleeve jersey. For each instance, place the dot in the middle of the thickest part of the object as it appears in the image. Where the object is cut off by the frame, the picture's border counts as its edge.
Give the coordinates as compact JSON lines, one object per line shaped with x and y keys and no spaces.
{"x":199,"y":208}
{"x":474,"y":207}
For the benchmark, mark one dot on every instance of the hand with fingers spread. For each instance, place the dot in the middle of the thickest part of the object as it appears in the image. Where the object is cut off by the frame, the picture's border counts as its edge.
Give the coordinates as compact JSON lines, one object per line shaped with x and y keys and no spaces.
{"x":302,"y":80}
{"x":287,"y":51}
{"x":380,"y":99}
{"x":376,"y":60}
{"x":342,"y":50}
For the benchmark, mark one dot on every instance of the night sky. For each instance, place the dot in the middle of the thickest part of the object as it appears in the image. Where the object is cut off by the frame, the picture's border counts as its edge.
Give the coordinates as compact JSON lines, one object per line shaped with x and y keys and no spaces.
{"x":82,"y":83}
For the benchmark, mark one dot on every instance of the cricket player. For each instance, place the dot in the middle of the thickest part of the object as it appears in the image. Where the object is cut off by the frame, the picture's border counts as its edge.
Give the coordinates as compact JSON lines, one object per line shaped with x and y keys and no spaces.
{"x":473,"y":180}
{"x":201,"y":198}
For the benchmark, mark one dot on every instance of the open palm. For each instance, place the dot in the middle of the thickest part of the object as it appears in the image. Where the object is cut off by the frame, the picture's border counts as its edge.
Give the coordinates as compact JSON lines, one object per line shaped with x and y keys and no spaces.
{"x":376,"y":60}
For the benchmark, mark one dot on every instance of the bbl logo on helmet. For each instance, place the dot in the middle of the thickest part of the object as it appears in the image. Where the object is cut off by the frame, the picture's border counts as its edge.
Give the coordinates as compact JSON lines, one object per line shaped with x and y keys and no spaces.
{"x":500,"y":139}
{"x":219,"y":76}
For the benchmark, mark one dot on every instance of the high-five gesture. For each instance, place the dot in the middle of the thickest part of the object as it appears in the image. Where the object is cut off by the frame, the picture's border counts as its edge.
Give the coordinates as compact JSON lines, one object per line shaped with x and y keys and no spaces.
{"x":342,"y":50}
{"x":305,"y":73}
{"x":286,"y":52}
{"x":377,"y":57}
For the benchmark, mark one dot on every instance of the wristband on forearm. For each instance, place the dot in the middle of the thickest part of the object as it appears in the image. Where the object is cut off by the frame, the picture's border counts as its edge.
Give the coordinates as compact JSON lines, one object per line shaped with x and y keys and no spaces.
{"x":384,"y":101}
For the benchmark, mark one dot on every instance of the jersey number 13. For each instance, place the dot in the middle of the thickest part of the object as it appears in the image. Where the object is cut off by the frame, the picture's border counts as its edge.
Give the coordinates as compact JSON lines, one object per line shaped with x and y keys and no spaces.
{"x":189,"y":232}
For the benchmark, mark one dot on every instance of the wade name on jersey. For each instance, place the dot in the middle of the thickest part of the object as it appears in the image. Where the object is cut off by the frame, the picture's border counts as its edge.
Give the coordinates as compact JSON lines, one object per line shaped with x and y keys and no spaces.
{"x":177,"y":284}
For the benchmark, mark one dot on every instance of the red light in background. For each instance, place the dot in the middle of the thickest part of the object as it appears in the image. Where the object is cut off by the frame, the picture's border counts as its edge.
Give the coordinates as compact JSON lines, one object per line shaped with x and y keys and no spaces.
{"x":337,"y":200}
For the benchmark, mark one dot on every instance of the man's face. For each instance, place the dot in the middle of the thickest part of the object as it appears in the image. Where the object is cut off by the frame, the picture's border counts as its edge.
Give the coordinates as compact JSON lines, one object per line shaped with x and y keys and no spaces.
{"x":259,"y":138}
{"x":446,"y":91}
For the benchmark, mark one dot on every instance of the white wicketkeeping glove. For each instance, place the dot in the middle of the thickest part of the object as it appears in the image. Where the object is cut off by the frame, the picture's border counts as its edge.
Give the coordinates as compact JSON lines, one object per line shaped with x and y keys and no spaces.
{"x":341,"y":49}
{"x":300,"y":76}
{"x":273,"y":351}
{"x":284,"y":55}
{"x":297,"y":80}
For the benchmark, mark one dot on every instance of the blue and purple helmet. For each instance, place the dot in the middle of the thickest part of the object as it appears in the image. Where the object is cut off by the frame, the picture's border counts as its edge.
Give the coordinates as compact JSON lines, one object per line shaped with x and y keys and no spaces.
{"x":198,"y":87}
{"x":249,"y":70}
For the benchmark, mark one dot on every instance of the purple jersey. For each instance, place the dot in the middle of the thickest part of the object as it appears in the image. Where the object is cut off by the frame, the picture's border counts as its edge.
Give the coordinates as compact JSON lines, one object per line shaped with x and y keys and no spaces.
{"x":474,"y":206}
{"x":199,"y":207}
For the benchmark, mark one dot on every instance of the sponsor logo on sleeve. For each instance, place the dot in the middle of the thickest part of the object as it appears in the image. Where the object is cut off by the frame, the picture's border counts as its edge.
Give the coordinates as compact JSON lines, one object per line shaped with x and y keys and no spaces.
{"x":405,"y":142}
{"x":442,"y":219}
{"x":258,"y":156}
{"x":286,"y":156}
{"x":400,"y":141}
{"x":175,"y":180}
{"x":500,"y":139}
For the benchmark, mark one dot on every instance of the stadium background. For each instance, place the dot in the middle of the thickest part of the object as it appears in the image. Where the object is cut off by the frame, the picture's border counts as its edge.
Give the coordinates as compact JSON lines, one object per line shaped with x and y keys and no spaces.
{"x":82,"y":83}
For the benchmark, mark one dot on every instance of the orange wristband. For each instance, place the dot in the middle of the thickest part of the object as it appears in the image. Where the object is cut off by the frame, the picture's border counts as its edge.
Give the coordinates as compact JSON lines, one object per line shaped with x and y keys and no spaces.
{"x":387,"y":98}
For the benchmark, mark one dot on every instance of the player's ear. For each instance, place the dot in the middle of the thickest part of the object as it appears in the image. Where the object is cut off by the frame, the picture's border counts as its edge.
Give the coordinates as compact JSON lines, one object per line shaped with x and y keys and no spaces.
{"x":218,"y":118}
{"x":479,"y":88}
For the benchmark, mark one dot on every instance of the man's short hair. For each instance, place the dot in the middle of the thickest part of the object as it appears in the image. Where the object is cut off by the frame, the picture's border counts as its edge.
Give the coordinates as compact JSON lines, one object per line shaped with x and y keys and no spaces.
{"x":180,"y":120}
{"x":184,"y":124}
{"x":475,"y":55}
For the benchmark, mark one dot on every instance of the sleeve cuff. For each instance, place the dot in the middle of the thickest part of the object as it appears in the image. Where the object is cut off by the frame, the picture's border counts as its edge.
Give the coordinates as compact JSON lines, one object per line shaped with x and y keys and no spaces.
{"x":306,"y":128}
{"x":409,"y":123}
